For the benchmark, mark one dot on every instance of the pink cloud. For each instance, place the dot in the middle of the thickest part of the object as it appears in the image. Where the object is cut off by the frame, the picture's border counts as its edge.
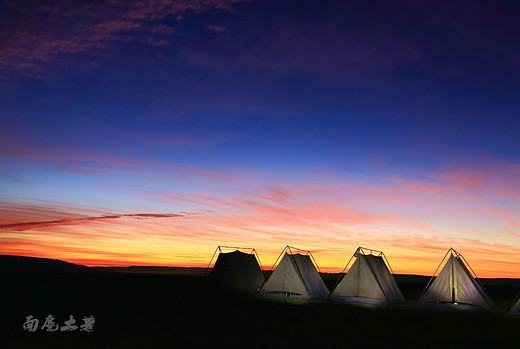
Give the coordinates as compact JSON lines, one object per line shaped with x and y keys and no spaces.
{"x":42,"y":31}
{"x":510,"y":232}
{"x":216,"y":28}
{"x":87,"y":162}
{"x":13,"y":212}
{"x":61,"y":156}
{"x":469,"y":187}
{"x":468,"y":180}
{"x":514,"y":224}
{"x":413,"y":226}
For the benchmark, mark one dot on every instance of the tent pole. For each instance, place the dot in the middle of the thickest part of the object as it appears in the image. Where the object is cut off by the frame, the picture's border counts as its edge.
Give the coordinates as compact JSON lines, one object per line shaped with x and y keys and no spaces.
{"x":517,"y":298}
{"x":211,"y":260}
{"x":238,"y":248}
{"x":368,"y":249}
{"x":386,"y":261}
{"x":316,"y":264}
{"x":279,"y":257}
{"x":453,"y":281}
{"x":435,"y":272}
{"x":258,"y":258}
{"x":297,"y":249}
{"x":290,"y":248}
{"x":343,"y":271}
{"x":359,"y":257}
{"x":476,"y":277}
{"x":469,"y":266}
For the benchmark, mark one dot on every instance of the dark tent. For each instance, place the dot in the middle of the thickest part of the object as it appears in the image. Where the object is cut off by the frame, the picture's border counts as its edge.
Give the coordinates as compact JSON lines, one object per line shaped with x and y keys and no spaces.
{"x":237,"y":271}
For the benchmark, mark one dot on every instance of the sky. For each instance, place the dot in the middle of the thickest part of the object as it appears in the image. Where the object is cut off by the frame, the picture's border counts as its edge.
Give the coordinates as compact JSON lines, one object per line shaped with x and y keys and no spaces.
{"x":151,"y":132}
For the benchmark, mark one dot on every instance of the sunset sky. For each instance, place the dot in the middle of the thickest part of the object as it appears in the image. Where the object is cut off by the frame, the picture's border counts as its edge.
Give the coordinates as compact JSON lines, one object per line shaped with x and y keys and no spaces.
{"x":150,"y":132}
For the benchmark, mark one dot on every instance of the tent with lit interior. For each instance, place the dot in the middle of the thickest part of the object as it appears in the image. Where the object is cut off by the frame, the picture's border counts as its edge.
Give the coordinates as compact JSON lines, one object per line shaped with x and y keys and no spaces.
{"x":295,"y":276}
{"x":515,"y":308}
{"x":236,"y":270}
{"x":456,"y":286}
{"x":368,"y":280}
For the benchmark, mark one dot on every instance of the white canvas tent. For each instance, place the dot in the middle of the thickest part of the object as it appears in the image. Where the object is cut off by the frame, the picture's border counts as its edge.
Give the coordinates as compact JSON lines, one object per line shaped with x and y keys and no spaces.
{"x":237,"y":271}
{"x":456,"y":286}
{"x":368,"y":280}
{"x":515,"y":308}
{"x":295,"y":276}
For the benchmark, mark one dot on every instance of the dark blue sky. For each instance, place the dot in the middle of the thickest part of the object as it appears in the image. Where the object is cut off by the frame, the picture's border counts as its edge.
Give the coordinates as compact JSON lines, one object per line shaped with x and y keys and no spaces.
{"x":222,"y":95}
{"x":405,"y":77}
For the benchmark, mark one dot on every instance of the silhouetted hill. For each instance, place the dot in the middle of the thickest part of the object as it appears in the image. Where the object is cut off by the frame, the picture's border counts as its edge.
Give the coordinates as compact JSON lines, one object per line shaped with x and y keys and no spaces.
{"x":21,"y":263}
{"x":154,"y":270}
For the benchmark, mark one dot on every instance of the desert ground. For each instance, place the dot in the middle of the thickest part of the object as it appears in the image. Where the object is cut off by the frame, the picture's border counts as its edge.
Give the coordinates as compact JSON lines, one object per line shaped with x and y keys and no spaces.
{"x":160,"y":309}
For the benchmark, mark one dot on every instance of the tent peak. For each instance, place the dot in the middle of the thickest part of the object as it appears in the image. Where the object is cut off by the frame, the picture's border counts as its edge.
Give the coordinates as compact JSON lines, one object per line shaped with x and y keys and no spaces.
{"x":298,"y":250}
{"x":290,"y":250}
{"x":454,"y":252}
{"x":368,"y":280}
{"x":236,"y":271}
{"x":219,"y":249}
{"x":364,"y":250}
{"x":295,"y":275}
{"x":252,"y":250}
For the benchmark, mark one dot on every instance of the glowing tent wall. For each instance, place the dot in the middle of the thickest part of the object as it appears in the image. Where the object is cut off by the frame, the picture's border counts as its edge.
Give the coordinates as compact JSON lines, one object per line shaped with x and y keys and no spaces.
{"x":297,"y":275}
{"x":368,"y":281}
{"x":456,"y":287}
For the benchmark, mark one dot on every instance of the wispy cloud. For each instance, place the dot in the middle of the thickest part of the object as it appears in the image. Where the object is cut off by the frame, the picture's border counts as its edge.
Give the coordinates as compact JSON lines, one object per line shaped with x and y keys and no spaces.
{"x":69,"y":221}
{"x":90,"y":162}
{"x":40,"y":32}
{"x":413,"y":218}
{"x":216,"y":28}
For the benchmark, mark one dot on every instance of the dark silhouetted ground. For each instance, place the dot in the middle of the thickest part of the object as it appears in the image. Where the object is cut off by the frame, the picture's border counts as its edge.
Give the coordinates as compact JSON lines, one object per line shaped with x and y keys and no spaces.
{"x":22,"y":263}
{"x":162,"y":310}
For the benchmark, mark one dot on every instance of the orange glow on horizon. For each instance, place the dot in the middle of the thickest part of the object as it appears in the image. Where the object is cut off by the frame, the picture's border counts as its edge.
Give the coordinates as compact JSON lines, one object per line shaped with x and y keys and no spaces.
{"x":414,"y":222}
{"x":400,"y":260}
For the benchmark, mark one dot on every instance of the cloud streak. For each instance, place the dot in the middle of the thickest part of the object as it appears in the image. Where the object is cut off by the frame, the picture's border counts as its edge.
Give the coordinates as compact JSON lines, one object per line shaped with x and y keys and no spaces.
{"x":70,"y":221}
{"x":413,"y":218}
{"x":41,"y":32}
{"x":95,"y":163}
